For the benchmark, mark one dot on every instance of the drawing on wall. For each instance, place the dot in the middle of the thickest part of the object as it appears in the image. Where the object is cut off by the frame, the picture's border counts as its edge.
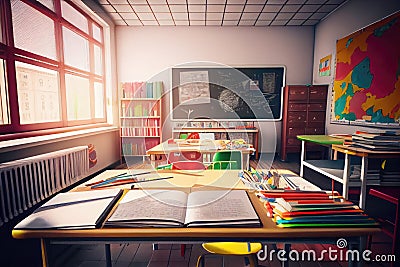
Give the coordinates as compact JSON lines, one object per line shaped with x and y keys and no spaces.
{"x":194,"y":88}
{"x":325,"y":66}
{"x":268,"y":83}
{"x":366,"y":89}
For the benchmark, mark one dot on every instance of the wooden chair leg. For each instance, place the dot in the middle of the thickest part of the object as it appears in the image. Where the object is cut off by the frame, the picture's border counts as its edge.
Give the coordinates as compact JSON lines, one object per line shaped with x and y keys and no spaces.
{"x":183,"y":247}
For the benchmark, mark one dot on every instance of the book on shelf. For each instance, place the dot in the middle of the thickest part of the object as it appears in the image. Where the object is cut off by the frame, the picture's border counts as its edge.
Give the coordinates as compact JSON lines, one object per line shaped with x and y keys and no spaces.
{"x":173,"y":208}
{"x":73,"y":210}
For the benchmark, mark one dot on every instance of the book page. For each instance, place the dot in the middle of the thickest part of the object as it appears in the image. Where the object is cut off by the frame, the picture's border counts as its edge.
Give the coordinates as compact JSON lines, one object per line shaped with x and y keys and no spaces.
{"x":220,"y":207}
{"x":150,"y":208}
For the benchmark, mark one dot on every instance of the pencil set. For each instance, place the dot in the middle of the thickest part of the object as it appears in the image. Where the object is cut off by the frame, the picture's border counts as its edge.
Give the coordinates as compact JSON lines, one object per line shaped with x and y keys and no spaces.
{"x":290,"y":208}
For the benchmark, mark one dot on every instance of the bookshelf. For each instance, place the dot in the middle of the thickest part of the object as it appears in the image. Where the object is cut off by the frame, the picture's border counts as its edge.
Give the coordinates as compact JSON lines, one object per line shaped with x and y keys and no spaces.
{"x":140,"y":117}
{"x":222,"y":130}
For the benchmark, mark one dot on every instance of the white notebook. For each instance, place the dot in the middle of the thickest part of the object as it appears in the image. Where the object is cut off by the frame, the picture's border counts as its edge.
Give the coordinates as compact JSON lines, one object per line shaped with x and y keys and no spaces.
{"x":72,"y":210}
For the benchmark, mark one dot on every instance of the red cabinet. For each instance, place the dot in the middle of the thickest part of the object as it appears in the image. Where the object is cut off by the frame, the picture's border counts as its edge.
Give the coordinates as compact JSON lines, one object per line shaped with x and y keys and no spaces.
{"x":303,"y":113}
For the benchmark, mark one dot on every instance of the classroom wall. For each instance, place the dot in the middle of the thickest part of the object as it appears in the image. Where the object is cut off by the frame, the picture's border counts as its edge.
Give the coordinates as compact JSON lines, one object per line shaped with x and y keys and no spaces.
{"x":145,"y":52}
{"x":352,"y":16}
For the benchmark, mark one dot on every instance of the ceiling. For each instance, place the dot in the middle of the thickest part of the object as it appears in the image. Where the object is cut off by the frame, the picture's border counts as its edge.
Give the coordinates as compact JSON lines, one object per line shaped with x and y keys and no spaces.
{"x":219,"y":12}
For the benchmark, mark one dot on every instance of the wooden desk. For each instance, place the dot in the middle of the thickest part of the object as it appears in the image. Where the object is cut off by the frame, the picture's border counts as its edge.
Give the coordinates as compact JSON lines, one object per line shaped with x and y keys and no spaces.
{"x":268,"y":233}
{"x":253,"y":131}
{"x":364,"y":154}
{"x":206,"y":147}
{"x":206,"y":180}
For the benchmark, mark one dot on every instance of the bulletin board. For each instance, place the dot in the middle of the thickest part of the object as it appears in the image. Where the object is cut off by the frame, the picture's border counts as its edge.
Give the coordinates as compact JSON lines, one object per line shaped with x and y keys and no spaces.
{"x":366,"y":88}
{"x":223,"y":93}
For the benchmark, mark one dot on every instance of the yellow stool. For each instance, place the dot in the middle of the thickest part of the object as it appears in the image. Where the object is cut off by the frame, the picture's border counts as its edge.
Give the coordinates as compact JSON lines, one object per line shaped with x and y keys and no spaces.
{"x":232,"y":248}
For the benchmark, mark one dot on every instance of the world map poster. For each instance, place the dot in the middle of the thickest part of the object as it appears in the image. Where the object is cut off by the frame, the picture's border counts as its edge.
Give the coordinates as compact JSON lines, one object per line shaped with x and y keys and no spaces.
{"x":366,"y":88}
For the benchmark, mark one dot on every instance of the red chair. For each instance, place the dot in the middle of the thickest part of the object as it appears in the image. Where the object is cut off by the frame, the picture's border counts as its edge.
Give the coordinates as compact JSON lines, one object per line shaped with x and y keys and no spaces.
{"x":390,"y":226}
{"x":193,"y":136}
{"x":188,"y":165}
{"x":184,"y":156}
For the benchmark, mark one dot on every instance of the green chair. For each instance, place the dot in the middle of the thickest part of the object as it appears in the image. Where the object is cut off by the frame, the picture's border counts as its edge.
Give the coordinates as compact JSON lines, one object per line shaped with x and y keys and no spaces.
{"x":227,"y":159}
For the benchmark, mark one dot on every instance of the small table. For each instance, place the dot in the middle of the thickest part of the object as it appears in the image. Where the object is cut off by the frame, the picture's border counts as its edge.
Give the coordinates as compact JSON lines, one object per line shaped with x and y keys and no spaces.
{"x":206,"y":147}
{"x":323,"y":140}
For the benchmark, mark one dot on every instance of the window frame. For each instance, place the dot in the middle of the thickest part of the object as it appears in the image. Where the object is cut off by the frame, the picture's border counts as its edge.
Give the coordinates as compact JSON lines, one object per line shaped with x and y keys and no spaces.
{"x":12,"y":54}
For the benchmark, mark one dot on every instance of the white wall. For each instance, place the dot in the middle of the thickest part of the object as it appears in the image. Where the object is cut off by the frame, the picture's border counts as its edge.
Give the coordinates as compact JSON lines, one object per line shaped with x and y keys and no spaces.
{"x":354,"y":15}
{"x":144,"y":52}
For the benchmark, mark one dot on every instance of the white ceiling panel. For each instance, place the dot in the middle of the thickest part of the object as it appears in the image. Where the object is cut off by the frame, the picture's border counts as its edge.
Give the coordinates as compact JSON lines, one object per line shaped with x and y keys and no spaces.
{"x":284,"y":16}
{"x":249,"y":16}
{"x":108,"y":8}
{"x":141,"y":8}
{"x":295,"y":22}
{"x":290,"y":8}
{"x":141,"y":2}
{"x":119,"y":22}
{"x":150,"y":23}
{"x":272,"y":8}
{"x":180,"y":16}
{"x":198,"y":22}
{"x":146,"y":16}
{"x":233,"y":2}
{"x":214,"y":16}
{"x":256,"y":2}
{"x":310,"y":22}
{"x":197,"y":16}
{"x":215,"y":8}
{"x":166,"y":22}
{"x":232,"y":16}
{"x":181,"y":22}
{"x":263,"y":22}
{"x":128,"y":15}
{"x":309,"y":8}
{"x":247,"y":22}
{"x":178,"y":8}
{"x":215,"y":2}
{"x":123,"y":8}
{"x":234,"y":8}
{"x":213,"y":22}
{"x":196,"y":2}
{"x":279,"y":22}
{"x":253,"y":8}
{"x":230,"y":23}
{"x":157,"y":2}
{"x":197,"y":8}
{"x":160,"y":8}
{"x":133,"y":22}
{"x":302,"y":15}
{"x":163,"y":16}
{"x":267,"y":16}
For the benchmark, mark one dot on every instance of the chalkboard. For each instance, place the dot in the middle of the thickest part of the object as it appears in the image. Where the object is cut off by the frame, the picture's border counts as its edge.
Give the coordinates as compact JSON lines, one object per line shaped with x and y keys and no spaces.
{"x":222,"y":93}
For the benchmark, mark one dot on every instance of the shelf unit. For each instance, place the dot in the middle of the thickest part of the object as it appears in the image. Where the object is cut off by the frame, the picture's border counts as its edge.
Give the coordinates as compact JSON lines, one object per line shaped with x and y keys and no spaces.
{"x":140,"y":119}
{"x":304,"y":113}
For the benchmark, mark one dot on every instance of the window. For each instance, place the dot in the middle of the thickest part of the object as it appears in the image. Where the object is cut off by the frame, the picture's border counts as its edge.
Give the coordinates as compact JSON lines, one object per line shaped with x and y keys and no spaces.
{"x":56,"y":66}
{"x":4,"y":107}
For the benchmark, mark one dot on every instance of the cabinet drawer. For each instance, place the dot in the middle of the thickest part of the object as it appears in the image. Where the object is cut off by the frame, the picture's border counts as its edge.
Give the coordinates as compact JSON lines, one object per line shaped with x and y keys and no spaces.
{"x":295,"y":131}
{"x":296,"y":117}
{"x":316,"y":107}
{"x":315,"y":130}
{"x":315,"y":116}
{"x":316,"y":124}
{"x":293,"y":141}
{"x":298,"y":93}
{"x":297,"y":107}
{"x":317,"y":93}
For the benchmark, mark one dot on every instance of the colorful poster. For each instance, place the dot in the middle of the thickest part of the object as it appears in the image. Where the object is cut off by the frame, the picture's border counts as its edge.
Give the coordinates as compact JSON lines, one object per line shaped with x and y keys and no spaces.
{"x":325,"y":66}
{"x":366,"y":88}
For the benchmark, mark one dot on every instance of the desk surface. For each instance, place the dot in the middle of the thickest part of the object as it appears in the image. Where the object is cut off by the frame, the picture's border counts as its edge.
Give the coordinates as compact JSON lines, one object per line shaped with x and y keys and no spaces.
{"x":209,"y":179}
{"x":184,"y":180}
{"x":321,"y":139}
{"x":202,"y":146}
{"x":269,"y":231}
{"x":362,"y":152}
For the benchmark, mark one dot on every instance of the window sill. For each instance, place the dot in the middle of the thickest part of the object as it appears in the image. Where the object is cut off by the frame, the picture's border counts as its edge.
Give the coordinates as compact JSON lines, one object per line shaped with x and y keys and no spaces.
{"x":27,"y":142}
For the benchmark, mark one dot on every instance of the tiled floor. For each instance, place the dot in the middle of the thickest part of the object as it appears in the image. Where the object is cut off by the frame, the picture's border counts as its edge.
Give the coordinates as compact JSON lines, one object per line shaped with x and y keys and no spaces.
{"x":27,"y":252}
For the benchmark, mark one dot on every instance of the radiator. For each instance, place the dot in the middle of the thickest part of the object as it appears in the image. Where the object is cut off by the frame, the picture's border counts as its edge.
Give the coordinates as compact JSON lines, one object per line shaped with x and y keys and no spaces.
{"x":26,"y":182}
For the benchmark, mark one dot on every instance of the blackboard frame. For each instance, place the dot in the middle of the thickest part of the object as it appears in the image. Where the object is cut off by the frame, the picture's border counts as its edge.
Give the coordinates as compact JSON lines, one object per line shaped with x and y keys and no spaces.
{"x":258,"y":85}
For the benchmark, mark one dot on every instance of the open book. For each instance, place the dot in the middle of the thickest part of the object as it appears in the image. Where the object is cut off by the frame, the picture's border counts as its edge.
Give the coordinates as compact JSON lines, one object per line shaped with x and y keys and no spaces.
{"x":73,"y":210}
{"x":173,"y":208}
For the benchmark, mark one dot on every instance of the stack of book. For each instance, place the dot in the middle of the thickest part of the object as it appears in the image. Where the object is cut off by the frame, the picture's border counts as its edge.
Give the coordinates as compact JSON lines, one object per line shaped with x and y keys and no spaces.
{"x":377,"y":141}
{"x":292,"y":208}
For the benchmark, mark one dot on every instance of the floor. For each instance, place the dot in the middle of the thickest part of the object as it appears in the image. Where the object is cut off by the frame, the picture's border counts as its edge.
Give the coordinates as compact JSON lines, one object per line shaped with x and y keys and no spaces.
{"x":27,"y":252}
